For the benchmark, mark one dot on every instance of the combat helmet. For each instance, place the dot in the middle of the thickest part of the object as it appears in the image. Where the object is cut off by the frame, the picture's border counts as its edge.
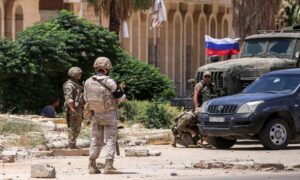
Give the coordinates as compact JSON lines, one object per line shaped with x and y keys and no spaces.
{"x":102,"y":63}
{"x":74,"y":71}
{"x":206,"y":73}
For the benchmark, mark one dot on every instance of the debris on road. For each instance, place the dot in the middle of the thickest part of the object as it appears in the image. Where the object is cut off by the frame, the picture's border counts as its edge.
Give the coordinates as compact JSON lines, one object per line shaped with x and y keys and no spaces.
{"x":43,"y":171}
{"x":70,"y":152}
{"x":239,"y":164}
{"x":136,"y":152}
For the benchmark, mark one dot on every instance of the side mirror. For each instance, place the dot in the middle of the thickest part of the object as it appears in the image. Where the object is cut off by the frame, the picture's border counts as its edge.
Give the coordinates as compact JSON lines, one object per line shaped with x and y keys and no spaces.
{"x":297,"y":55}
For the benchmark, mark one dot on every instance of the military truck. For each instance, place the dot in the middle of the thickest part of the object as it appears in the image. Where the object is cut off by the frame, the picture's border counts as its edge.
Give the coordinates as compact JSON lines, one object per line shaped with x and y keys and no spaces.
{"x":260,"y":53}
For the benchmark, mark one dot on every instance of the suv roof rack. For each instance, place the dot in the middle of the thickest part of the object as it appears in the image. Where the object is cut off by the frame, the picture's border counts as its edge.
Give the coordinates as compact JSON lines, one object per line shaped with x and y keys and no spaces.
{"x":295,"y":28}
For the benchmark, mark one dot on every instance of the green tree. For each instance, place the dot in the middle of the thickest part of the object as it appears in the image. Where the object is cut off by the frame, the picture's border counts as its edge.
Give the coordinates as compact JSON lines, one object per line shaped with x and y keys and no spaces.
{"x":34,"y":67}
{"x":250,"y":16}
{"x":119,"y":10}
{"x":288,"y":14}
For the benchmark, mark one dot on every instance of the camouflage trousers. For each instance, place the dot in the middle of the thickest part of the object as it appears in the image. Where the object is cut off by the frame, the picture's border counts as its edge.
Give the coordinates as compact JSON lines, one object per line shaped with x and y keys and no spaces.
{"x":75,"y":120}
{"x":101,"y":129}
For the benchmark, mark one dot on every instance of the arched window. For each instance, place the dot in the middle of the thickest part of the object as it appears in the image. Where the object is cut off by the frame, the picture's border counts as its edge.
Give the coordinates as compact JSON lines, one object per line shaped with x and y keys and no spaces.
{"x":135,"y":35}
{"x":178,"y":57}
{"x":189,"y":73}
{"x":225,"y":28}
{"x":1,"y":21}
{"x":19,"y":19}
{"x":203,"y":27}
{"x":213,"y":28}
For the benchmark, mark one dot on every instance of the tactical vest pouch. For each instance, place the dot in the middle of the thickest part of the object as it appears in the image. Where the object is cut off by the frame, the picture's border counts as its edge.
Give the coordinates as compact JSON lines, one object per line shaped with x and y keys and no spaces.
{"x":118,"y":93}
{"x":95,"y":106}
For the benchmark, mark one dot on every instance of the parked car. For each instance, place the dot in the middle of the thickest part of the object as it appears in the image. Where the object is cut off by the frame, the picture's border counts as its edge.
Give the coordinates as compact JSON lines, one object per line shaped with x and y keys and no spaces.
{"x":268,"y":110}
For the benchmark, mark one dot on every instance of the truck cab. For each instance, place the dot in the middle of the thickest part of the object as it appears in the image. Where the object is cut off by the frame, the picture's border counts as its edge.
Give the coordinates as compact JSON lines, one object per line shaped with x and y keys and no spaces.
{"x":261,"y":53}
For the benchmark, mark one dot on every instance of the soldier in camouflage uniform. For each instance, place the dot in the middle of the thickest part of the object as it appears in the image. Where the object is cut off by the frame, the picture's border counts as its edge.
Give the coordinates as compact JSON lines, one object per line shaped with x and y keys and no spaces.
{"x":73,"y":93}
{"x":185,"y":130}
{"x":203,"y":91}
{"x":101,"y":97}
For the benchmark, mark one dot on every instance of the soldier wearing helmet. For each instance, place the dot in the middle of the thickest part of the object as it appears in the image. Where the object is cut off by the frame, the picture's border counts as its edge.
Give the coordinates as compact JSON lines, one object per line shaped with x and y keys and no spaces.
{"x":73,"y":93}
{"x":102,"y":95}
{"x":203,"y":90}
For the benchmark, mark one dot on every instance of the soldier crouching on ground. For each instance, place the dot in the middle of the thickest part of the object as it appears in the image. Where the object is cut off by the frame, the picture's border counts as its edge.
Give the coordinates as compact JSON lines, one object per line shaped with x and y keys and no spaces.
{"x":73,"y":93}
{"x":102,"y":96}
{"x":185,"y":130}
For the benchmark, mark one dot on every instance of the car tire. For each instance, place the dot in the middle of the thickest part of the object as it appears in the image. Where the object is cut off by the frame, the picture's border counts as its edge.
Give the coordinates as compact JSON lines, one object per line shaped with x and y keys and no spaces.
{"x":221,"y":143}
{"x":275,"y":134}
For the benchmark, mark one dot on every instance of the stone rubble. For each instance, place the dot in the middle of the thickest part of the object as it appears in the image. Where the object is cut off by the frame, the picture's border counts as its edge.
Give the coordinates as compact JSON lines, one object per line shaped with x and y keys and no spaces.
{"x":43,"y":171}
{"x":241,"y":165}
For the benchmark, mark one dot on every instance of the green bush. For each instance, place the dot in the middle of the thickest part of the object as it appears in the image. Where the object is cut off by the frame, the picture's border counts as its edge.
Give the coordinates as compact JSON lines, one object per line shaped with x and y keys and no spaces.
{"x":35,"y":66}
{"x":151,"y":114}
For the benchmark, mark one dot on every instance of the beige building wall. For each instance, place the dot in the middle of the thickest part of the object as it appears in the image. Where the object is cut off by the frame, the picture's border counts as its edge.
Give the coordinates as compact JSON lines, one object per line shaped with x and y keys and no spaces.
{"x":16,"y":15}
{"x":177,"y":48}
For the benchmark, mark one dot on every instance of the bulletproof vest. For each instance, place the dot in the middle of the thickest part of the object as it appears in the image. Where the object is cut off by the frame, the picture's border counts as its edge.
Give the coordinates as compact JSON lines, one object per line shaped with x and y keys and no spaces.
{"x":206,"y":92}
{"x":98,"y":96}
{"x":77,"y":93}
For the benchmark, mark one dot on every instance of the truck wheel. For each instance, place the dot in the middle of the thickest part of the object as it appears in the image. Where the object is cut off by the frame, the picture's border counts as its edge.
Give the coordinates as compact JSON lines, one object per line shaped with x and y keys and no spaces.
{"x":220,"y":142}
{"x":275,"y":134}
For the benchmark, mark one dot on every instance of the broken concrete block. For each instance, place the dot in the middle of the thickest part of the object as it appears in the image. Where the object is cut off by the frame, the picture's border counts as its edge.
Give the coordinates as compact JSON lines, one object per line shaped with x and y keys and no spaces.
{"x":43,"y":171}
{"x":203,"y":165}
{"x":272,"y":165}
{"x":8,"y":159}
{"x":136,"y":152}
{"x":41,"y":153}
{"x":70,"y":152}
{"x":217,"y":165}
{"x":241,"y":166}
{"x":154,"y":153}
{"x":83,"y":143}
{"x":297,"y":166}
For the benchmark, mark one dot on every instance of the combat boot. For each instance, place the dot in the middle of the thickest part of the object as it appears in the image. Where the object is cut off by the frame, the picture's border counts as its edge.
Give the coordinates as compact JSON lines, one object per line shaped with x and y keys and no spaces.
{"x":93,"y":169}
{"x":73,"y":146}
{"x":109,"y":169}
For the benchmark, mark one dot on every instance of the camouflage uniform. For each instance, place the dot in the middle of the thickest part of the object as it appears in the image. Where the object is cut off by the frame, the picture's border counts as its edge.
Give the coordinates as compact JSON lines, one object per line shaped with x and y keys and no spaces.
{"x":206,"y":92}
{"x":102,"y":106}
{"x":100,"y":100}
{"x":73,"y":93}
{"x":184,"y":124}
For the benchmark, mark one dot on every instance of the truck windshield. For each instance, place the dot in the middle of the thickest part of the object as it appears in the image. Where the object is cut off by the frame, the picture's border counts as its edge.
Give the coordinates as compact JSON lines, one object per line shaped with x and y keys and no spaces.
{"x":283,"y":84}
{"x":279,"y":47}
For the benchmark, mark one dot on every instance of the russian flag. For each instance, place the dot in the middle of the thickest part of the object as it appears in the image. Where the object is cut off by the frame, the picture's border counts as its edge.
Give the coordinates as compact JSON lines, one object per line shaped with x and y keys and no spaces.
{"x":221,"y":47}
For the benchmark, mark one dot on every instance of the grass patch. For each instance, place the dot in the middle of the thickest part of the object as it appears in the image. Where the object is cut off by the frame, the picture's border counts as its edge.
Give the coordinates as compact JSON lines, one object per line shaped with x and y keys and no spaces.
{"x":18,"y":127}
{"x":26,"y":133}
{"x":150,"y":113}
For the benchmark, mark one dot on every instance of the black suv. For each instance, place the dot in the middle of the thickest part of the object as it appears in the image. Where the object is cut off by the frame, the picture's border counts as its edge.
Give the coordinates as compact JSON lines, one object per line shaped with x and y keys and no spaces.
{"x":268,"y":110}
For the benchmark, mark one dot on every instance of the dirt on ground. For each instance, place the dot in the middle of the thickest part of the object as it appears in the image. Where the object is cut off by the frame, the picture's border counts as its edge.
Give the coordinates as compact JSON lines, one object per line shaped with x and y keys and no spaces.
{"x":171,"y":162}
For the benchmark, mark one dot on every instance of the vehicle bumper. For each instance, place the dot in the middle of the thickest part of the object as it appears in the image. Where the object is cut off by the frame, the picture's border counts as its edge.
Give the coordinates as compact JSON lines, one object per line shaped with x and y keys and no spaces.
{"x":233,"y":125}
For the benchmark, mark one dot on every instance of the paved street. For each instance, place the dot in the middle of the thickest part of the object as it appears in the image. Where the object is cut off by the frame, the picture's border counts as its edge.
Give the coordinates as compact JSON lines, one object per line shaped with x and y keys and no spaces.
{"x":177,"y":161}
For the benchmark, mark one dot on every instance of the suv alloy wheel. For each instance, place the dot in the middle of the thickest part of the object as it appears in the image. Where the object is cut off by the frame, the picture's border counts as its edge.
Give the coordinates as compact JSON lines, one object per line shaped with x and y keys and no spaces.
{"x":275,"y":134}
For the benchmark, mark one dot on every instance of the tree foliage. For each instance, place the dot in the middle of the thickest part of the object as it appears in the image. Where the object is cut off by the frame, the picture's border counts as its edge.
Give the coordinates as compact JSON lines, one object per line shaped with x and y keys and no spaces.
{"x":118,"y":11}
{"x":250,"y":16}
{"x":35,"y":66}
{"x":288,"y":14}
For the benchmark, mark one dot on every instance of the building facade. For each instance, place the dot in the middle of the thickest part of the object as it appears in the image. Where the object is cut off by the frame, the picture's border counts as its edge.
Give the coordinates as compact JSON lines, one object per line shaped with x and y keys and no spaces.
{"x":177,"y":48}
